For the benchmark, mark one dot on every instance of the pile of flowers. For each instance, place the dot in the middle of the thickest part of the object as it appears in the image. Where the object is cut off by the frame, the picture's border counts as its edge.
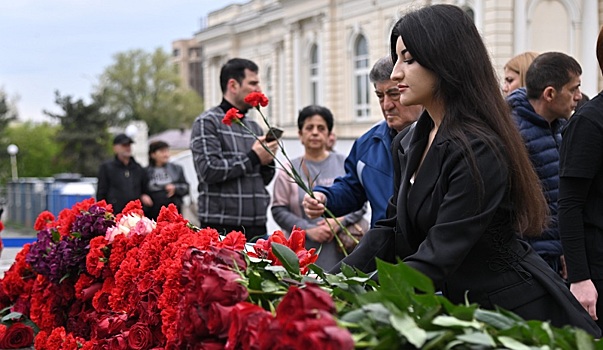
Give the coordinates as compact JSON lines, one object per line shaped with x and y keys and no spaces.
{"x":95,"y":280}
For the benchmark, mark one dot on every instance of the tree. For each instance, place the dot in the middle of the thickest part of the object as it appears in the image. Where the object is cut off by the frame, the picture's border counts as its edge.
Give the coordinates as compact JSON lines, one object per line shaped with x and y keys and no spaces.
{"x":83,"y":134}
{"x":143,"y":86}
{"x":7,"y":111}
{"x":39,"y":153}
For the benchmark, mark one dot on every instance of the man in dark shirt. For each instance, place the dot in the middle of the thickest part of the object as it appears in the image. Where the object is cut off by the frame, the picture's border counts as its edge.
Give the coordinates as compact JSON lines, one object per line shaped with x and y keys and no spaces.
{"x":540,"y":111}
{"x":122,"y":179}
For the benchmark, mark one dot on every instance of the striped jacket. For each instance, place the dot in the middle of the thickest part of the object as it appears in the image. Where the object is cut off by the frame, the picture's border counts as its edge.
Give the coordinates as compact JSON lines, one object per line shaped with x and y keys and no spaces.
{"x":232,"y":182}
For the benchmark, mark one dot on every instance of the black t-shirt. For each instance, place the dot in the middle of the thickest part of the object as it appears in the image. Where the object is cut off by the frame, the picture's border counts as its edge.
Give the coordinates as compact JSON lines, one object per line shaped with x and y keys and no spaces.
{"x":581,"y":192}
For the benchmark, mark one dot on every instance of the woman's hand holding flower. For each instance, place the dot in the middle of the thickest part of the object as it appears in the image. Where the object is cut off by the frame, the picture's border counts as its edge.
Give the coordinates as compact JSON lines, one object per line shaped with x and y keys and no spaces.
{"x":320,"y":233}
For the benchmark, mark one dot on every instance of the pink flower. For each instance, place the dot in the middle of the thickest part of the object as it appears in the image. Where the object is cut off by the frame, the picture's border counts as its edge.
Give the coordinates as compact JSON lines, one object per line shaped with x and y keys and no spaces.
{"x":131,"y":224}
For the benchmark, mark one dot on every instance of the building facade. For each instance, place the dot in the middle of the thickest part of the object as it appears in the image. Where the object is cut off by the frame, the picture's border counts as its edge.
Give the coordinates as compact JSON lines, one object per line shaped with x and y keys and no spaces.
{"x":321,"y":51}
{"x":186,"y":55}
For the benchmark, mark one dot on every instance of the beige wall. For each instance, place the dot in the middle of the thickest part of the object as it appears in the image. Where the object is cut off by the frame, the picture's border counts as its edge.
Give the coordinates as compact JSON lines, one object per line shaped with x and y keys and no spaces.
{"x":278,"y":34}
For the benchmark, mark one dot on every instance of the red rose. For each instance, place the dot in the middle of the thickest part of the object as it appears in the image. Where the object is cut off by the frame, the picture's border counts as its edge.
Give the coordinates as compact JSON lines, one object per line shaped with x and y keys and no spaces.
{"x":301,"y":300}
{"x":118,"y":342}
{"x":256,"y":98}
{"x":229,"y":257}
{"x":210,"y":345}
{"x":319,"y":331}
{"x":232,"y":115}
{"x":140,"y":337}
{"x":245,"y":325}
{"x":17,"y":336}
{"x":221,"y":285}
{"x":218,"y":319}
{"x":109,"y":325}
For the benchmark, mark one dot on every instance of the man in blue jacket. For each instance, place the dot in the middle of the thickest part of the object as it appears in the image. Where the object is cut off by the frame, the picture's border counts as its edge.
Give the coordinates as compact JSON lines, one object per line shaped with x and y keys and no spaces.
{"x":369,"y":167}
{"x":540,"y":111}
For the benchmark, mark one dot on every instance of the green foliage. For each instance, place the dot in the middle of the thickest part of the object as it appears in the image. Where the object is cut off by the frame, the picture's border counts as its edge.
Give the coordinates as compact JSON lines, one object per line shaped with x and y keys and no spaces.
{"x":146,"y":86}
{"x":7,"y":111}
{"x":83,"y":134}
{"x":403,"y":311}
{"x":39,"y":153}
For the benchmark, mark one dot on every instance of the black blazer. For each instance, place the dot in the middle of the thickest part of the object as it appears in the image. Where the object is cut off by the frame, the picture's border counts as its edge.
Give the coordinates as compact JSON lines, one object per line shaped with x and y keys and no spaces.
{"x":455,"y":225}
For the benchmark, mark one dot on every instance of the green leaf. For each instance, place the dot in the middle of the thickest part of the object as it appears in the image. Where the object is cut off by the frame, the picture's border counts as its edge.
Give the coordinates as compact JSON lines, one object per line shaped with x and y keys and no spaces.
{"x":437,"y":339}
{"x":407,"y":327}
{"x":584,"y":341}
{"x":317,"y":270}
{"x":494,"y":319}
{"x":450,"y":321}
{"x":11,"y":316}
{"x":56,"y":236}
{"x":401,"y":278}
{"x":31,"y":324}
{"x":287,"y":257}
{"x":377,"y":312}
{"x":270,"y":286}
{"x":512,"y":344}
{"x":347,"y":270}
{"x":3,"y":311}
{"x":478,"y":338}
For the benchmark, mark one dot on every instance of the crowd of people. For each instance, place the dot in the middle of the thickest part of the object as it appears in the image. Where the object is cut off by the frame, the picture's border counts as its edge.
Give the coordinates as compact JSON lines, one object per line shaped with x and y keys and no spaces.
{"x":492,"y":189}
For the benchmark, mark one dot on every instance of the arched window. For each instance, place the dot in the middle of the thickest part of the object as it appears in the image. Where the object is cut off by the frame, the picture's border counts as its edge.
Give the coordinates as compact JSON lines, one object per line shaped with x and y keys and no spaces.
{"x":314,"y":76}
{"x":361,"y":78}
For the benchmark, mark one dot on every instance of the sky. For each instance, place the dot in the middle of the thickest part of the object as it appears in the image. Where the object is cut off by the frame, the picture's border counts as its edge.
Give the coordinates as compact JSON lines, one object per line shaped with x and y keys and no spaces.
{"x":65,"y":45}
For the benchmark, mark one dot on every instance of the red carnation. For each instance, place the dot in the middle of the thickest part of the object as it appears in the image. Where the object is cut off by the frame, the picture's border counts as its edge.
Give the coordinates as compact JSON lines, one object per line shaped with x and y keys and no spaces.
{"x":232,"y":115}
{"x":256,"y":98}
{"x":43,"y":221}
{"x":17,"y":336}
{"x":235,"y":240}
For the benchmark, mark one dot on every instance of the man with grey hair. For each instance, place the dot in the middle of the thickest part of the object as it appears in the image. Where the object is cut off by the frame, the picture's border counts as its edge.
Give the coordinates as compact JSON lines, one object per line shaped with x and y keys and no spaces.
{"x":369,"y":167}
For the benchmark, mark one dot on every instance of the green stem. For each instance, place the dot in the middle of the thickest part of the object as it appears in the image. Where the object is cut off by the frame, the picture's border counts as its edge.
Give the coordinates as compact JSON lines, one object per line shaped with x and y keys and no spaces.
{"x":296,"y":177}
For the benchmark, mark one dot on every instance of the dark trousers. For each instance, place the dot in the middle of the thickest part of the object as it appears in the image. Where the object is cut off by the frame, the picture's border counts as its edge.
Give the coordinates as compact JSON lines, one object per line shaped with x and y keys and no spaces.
{"x":252,"y":233}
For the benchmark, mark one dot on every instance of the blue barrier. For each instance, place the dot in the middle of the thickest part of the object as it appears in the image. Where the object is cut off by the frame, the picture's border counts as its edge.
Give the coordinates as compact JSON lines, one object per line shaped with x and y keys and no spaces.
{"x":12,"y":242}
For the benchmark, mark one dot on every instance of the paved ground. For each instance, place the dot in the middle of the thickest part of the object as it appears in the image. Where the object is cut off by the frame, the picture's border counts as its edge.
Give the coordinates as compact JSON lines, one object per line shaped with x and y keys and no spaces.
{"x":13,"y":240}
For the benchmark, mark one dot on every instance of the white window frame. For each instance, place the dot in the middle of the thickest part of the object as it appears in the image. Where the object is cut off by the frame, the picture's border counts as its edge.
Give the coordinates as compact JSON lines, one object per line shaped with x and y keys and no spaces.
{"x":362,"y":87}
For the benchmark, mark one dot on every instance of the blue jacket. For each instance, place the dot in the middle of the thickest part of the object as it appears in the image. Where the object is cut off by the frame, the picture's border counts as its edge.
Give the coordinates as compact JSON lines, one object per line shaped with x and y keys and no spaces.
{"x":369,"y":175}
{"x":542,"y":141}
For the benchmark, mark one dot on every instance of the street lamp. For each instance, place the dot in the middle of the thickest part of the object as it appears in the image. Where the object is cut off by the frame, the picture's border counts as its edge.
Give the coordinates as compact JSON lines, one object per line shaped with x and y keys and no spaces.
{"x":131,"y":131}
{"x":12,"y":151}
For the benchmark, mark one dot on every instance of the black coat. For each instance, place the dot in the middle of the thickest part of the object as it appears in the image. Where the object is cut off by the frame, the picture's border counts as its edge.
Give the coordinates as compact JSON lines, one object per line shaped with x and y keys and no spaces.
{"x":464,"y":241}
{"x":119,"y":183}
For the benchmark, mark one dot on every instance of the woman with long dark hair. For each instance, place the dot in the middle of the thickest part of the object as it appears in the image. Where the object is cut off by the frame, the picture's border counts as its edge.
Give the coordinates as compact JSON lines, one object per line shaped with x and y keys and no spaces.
{"x":464,"y":186}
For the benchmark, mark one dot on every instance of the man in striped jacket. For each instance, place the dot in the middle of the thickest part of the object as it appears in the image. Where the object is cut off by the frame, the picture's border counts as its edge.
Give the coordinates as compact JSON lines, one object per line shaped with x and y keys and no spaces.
{"x":233,"y":167}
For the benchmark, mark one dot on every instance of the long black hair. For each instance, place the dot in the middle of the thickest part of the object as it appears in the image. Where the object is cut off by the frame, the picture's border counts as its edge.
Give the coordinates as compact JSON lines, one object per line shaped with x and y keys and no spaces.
{"x":444,"y":39}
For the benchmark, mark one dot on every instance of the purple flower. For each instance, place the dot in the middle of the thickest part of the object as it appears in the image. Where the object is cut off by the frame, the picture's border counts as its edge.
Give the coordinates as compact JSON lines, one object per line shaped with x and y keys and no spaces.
{"x":58,"y":257}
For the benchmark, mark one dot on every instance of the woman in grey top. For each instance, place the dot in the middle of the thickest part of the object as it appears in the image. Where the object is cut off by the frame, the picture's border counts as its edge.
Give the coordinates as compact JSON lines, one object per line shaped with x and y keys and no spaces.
{"x":167,"y":183}
{"x":320,"y":167}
